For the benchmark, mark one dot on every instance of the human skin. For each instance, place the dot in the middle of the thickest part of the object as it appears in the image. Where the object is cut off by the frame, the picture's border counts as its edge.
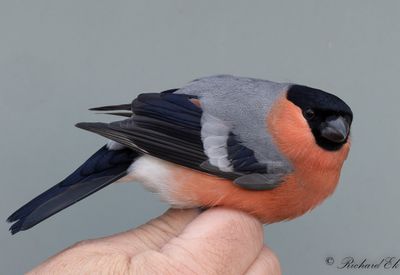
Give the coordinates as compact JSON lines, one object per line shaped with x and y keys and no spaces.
{"x":216,"y":241}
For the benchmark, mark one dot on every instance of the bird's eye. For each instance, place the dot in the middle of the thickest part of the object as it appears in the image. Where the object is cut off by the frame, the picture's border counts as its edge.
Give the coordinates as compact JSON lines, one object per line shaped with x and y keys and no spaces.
{"x":309,"y":114}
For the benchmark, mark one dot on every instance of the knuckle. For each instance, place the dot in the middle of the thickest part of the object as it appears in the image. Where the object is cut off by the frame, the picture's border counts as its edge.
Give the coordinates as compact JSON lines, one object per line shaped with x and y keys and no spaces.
{"x":81,"y":244}
{"x":161,"y":225}
{"x":188,"y":262}
{"x":154,"y":262}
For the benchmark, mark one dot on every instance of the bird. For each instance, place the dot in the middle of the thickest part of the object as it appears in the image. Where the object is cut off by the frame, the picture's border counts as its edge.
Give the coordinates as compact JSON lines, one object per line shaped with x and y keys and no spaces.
{"x":273,"y":150}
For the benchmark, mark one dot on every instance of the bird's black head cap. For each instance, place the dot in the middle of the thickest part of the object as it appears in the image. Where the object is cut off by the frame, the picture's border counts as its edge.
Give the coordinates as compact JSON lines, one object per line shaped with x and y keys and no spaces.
{"x":328,"y":116}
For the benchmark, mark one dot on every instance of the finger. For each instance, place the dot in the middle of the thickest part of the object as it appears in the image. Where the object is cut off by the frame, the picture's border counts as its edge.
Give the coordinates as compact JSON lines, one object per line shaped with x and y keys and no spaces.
{"x":150,"y":236}
{"x":266,"y":263}
{"x":155,"y":233}
{"x":219,"y":241}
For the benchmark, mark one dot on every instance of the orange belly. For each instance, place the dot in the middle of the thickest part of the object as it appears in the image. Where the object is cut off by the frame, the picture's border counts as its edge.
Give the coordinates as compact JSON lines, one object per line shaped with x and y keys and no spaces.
{"x":290,"y":199}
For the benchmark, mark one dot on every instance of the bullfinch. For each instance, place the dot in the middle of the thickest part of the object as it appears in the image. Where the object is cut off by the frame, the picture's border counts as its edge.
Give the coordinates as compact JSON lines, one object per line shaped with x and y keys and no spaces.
{"x":274,"y":150}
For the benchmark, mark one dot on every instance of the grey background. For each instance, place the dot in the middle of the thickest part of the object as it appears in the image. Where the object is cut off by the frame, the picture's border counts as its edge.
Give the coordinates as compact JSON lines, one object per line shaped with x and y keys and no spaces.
{"x":58,"y":58}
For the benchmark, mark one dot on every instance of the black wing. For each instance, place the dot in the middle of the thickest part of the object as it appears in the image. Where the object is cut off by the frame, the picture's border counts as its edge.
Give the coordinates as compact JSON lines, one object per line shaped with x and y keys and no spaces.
{"x":168,"y":126}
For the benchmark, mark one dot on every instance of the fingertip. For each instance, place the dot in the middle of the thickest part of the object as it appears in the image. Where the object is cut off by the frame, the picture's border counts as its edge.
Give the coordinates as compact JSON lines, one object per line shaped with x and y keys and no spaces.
{"x":229,"y":220}
{"x":267,"y":262}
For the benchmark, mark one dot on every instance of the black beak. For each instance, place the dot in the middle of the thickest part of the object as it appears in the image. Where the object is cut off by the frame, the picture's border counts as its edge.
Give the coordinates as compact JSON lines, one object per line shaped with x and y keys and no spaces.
{"x":335,"y":129}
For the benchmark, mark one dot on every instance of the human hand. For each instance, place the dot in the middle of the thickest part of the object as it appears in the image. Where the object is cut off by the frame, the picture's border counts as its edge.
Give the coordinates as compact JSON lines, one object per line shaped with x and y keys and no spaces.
{"x":217,"y":241}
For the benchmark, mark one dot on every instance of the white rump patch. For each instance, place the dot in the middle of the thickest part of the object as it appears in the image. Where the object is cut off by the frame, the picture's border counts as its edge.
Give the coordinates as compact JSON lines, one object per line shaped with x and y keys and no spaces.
{"x":151,"y":171}
{"x":154,"y":174}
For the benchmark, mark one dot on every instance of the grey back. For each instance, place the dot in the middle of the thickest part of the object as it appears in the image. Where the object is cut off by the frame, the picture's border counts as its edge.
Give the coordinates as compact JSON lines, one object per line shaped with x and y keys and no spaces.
{"x":243,"y":103}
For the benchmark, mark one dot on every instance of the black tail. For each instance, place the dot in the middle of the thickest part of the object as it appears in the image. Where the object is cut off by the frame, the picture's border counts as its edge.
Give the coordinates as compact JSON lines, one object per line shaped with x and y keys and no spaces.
{"x":101,"y":169}
{"x":124,"y":110}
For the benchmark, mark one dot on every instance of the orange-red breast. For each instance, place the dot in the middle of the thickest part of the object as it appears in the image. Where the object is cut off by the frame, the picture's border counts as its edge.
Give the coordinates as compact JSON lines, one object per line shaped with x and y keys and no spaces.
{"x":274,"y":150}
